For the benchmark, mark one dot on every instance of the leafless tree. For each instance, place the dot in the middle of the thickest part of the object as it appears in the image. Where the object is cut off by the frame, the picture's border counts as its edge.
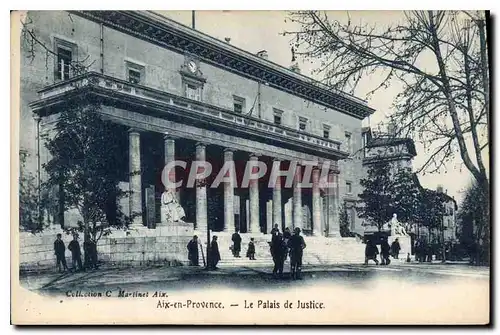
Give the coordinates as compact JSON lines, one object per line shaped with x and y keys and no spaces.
{"x":440,"y":59}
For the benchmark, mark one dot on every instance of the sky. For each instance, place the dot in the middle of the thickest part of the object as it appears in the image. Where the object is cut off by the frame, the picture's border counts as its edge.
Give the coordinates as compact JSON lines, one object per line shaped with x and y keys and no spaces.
{"x":262,"y":30}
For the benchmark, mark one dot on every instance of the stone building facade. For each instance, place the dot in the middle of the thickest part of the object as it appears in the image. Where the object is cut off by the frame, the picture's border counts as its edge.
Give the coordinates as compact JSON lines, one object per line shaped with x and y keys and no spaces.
{"x":182,"y":95}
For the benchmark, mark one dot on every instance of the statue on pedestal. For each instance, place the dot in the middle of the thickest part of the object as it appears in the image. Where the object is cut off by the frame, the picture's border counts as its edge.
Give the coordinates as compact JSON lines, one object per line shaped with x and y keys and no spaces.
{"x":396,"y":226}
{"x":171,"y":210}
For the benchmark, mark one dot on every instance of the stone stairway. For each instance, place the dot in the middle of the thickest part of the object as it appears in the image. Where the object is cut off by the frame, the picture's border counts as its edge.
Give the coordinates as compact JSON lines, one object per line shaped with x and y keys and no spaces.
{"x":319,"y":251}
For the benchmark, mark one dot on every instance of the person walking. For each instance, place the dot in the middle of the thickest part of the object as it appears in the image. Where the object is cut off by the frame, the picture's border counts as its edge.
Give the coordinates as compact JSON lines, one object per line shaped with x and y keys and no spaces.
{"x":297,"y":246}
{"x":76,"y":253}
{"x":395,"y":248}
{"x":193,"y":255}
{"x":59,"y":250}
{"x":278,"y":252}
{"x":385,"y":250}
{"x":371,"y":252}
{"x":251,"y":250}
{"x":214,"y":253}
{"x":236,"y":238}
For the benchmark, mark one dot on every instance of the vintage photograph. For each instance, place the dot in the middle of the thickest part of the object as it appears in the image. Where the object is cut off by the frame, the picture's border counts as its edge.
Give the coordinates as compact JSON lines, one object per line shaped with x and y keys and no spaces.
{"x":251,"y":167}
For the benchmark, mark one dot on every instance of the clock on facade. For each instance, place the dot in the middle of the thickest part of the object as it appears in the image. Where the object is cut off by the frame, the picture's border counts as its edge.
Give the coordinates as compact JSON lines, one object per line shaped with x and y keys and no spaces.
{"x":192,"y":66}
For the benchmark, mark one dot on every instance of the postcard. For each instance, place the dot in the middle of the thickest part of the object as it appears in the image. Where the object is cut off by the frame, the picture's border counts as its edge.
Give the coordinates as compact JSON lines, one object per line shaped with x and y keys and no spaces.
{"x":250,"y":167}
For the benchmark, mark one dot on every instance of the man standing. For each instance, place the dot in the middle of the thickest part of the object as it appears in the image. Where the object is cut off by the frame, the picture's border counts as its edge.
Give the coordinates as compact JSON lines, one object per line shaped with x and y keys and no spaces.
{"x":275,"y":230}
{"x":371,"y":252}
{"x":214,"y":253}
{"x":395,"y":247}
{"x":59,"y":250}
{"x":297,"y":245}
{"x":236,"y":238}
{"x":278,"y":251}
{"x":251,"y":250}
{"x":193,"y":251}
{"x":384,"y":252}
{"x":76,"y":253}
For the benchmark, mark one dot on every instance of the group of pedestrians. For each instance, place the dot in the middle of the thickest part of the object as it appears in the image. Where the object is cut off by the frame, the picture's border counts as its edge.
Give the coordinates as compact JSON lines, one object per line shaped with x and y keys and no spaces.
{"x":286,"y":244}
{"x":386,"y":250}
{"x":90,"y":250}
{"x":282,"y":245}
{"x":213,"y":253}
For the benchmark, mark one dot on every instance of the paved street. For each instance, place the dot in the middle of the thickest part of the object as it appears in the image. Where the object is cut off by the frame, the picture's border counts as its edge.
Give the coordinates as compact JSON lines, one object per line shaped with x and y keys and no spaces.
{"x":342,"y":294}
{"x":180,"y":278}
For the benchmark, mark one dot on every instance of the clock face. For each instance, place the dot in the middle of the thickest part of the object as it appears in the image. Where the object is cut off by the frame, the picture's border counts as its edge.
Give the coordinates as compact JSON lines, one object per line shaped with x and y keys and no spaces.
{"x":192,"y":66}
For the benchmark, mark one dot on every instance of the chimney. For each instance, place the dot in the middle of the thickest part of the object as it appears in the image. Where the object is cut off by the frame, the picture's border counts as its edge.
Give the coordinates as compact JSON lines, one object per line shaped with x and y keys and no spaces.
{"x":439,"y":188}
{"x":262,"y":54}
{"x":295,"y":68}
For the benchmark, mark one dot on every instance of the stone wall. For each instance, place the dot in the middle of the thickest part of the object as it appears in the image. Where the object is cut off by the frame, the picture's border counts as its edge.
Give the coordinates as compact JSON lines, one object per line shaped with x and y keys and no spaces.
{"x":164,"y":245}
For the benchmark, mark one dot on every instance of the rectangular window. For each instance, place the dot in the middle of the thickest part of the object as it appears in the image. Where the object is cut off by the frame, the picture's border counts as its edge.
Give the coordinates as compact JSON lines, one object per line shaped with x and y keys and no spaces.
{"x":326,"y":131}
{"x":278,"y":117}
{"x":193,"y":92}
{"x":135,"y":73}
{"x":348,"y":142}
{"x":64,"y":58}
{"x":238,"y":104}
{"x":348,"y":185}
{"x":134,"y":76}
{"x":302,"y":124}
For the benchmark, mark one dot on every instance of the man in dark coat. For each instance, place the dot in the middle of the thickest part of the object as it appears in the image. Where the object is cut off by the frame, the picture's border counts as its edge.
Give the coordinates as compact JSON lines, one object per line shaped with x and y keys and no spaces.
{"x":278,"y":251}
{"x":59,"y":250}
{"x":385,"y":250}
{"x":193,"y":251}
{"x":251,"y":250}
{"x":296,"y":245}
{"x":275,"y":230}
{"x":371,"y":252}
{"x":236,"y":238}
{"x":286,"y":234}
{"x":214,"y":253}
{"x":76,"y":253}
{"x":395,"y":248}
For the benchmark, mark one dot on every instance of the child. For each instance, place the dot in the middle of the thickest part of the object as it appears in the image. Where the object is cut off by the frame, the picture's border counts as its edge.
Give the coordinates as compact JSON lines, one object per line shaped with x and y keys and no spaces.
{"x":251,"y":250}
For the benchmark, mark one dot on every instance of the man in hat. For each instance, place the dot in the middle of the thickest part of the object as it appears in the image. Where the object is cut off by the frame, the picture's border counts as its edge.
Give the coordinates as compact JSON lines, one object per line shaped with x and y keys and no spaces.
{"x":214,"y":253}
{"x":193,"y":251}
{"x":76,"y":253}
{"x":296,"y":245}
{"x":59,"y":250}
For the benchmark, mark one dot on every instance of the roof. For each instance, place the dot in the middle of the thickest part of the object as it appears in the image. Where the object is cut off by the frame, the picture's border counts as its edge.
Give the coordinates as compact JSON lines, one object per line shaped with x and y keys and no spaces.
{"x":170,"y":34}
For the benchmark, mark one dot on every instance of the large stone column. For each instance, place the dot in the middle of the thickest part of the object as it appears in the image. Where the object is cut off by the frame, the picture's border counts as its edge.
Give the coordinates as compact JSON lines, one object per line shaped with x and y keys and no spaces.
{"x":333,"y":201}
{"x":169,"y":142}
{"x":277,"y":205}
{"x":253,"y":191}
{"x":316,"y":204}
{"x":229,"y":195}
{"x":135,"y":183}
{"x":297,"y":198}
{"x":201,"y":193}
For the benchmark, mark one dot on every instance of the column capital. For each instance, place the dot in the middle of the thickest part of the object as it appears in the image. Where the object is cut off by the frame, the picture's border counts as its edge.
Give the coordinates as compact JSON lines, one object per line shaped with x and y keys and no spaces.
{"x":201,"y":144}
{"x":168,"y":136}
{"x":254,"y":155}
{"x":229,"y":150}
{"x":276,"y":159}
{"x":133,"y":130}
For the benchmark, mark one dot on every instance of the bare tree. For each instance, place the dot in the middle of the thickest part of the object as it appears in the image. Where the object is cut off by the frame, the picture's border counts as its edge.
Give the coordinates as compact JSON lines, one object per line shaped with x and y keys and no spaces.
{"x":439,"y":58}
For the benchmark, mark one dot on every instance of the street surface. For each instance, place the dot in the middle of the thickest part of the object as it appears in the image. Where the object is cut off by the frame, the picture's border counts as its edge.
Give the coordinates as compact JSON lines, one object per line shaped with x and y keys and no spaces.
{"x":400,"y":293}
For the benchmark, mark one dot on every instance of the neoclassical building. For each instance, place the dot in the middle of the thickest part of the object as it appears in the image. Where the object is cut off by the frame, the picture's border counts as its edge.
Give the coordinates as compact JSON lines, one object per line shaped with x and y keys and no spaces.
{"x":179,"y":94}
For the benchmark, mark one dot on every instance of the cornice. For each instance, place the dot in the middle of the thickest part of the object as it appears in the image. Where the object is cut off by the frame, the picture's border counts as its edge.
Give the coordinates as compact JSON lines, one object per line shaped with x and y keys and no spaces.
{"x":169,"y":34}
